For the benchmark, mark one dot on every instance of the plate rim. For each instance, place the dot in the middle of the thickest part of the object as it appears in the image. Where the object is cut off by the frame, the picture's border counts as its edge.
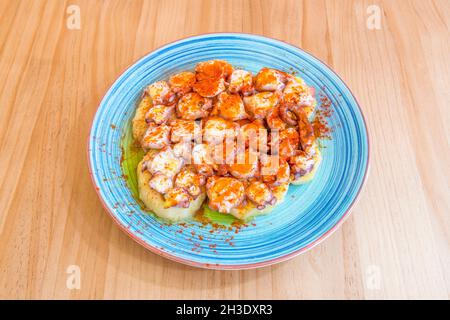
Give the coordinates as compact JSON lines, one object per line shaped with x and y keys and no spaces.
{"x":216,"y":266}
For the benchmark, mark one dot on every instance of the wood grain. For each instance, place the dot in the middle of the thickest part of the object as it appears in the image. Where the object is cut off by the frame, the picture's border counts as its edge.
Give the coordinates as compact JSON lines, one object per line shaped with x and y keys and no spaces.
{"x":396,"y":243}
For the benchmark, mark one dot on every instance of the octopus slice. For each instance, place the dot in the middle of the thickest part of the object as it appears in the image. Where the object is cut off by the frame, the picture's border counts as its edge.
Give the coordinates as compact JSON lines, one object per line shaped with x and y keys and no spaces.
{"x":288,"y":143}
{"x":213,"y":69}
{"x":217,"y":129}
{"x":246,"y":165}
{"x":181,"y":83}
{"x":294,"y":88}
{"x":184,"y":130}
{"x":165,"y":162}
{"x":260,"y":194}
{"x":156,"y":137}
{"x":253,"y":135}
{"x":205,"y":170}
{"x":225,"y":193}
{"x":273,"y":119}
{"x":177,"y":197}
{"x":302,"y":163}
{"x":270,"y":80}
{"x":183,"y":150}
{"x":190,"y":180}
{"x":231,"y":107}
{"x":305,"y":128}
{"x":223,"y":153}
{"x":298,"y":93}
{"x":160,"y":182}
{"x":193,"y":106}
{"x":286,"y":114}
{"x":275,"y":171}
{"x":202,"y":159}
{"x":209,"y":88}
{"x":160,"y":93}
{"x":201,"y":154}
{"x":259,"y":105}
{"x":159,"y":113}
{"x":221,"y":170}
{"x":241,"y":81}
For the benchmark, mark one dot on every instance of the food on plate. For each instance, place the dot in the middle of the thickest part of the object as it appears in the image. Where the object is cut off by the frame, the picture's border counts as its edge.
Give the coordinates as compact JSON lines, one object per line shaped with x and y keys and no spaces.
{"x":225,"y":138}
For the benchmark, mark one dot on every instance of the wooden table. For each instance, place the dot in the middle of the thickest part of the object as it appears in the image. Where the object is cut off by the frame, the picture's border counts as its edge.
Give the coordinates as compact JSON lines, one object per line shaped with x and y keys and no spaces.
{"x":53,"y":76}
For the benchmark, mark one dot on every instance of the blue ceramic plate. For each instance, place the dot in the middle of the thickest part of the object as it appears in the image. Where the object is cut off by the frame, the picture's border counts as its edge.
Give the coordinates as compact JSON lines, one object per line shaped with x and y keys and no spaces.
{"x":310,"y":212}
